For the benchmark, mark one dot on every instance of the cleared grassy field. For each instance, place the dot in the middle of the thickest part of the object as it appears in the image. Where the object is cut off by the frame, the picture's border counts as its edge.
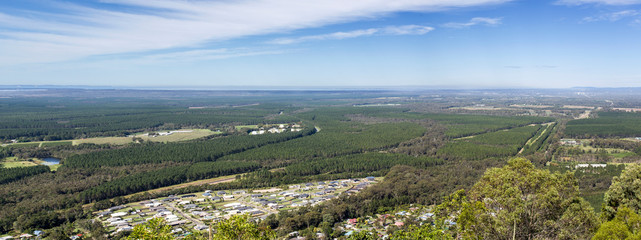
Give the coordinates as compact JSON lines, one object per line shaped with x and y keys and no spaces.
{"x":55,"y":167}
{"x":104,"y":140}
{"x":614,"y":152}
{"x":12,"y":162}
{"x":246,"y":126}
{"x":27,"y":144}
{"x":174,"y":137}
{"x":182,"y":136}
{"x":55,"y":143}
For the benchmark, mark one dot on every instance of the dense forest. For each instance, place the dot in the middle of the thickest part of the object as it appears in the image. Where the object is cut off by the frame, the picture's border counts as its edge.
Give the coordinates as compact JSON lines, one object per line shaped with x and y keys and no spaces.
{"x":424,"y":156}
{"x":608,"y":124}
{"x":208,"y":150}
{"x":12,"y":174}
{"x":70,"y":118}
{"x":494,"y":144}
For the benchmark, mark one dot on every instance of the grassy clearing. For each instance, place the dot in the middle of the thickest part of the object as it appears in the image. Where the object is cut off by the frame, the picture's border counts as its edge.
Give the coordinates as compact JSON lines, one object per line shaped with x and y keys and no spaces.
{"x":54,"y":167}
{"x":17,"y":164}
{"x":175,"y":137}
{"x":27,"y":144}
{"x":589,"y":148}
{"x":105,"y":140}
{"x":182,"y":136}
{"x":55,"y":143}
{"x":246,"y":126}
{"x":12,"y":162}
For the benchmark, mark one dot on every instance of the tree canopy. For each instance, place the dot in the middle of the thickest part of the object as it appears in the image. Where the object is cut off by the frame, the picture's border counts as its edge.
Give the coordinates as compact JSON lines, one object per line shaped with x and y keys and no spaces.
{"x":522,"y":202}
{"x":624,"y":191}
{"x":239,"y":227}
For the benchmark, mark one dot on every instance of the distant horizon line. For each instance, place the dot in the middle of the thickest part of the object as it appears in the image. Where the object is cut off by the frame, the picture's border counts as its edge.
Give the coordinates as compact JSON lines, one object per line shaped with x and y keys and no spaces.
{"x":288,"y":88}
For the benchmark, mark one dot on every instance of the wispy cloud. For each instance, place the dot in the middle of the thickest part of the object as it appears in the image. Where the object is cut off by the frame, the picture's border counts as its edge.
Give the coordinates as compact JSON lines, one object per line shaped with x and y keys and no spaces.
{"x":601,"y":2}
{"x":392,"y":30}
{"x":474,"y":21}
{"x":202,"y":55}
{"x":547,"y":66}
{"x":73,"y":31}
{"x":612,"y":17}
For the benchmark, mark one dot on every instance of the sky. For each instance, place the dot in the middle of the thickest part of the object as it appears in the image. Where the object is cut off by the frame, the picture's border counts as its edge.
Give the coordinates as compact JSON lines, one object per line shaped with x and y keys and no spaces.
{"x":320,"y":43}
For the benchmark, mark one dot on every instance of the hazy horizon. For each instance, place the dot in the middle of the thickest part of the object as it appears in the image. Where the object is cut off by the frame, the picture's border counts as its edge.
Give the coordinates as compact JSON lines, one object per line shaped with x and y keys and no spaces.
{"x":288,"y":88}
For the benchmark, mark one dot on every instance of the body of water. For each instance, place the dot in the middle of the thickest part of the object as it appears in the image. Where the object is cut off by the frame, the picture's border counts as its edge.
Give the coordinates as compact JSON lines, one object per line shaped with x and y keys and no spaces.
{"x":50,"y":161}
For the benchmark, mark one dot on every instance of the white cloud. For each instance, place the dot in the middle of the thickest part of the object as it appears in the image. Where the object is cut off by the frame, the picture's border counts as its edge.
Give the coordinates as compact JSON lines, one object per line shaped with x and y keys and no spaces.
{"x":602,"y":2}
{"x":201,"y":55}
{"x":75,"y":31}
{"x":391,"y":30}
{"x":474,"y":21}
{"x":612,"y":17}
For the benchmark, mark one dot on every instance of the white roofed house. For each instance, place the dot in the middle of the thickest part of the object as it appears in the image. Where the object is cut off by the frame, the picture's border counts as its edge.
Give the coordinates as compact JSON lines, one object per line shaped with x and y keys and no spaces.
{"x":232,"y":205}
{"x":153,"y":204}
{"x":119,"y":214}
{"x":200,"y":227}
{"x":600,"y":165}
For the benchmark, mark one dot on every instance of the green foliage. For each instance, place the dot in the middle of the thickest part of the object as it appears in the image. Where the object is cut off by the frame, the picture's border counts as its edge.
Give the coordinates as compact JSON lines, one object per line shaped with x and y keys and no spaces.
{"x":351,"y":166}
{"x":363,"y":235}
{"x":626,"y":224}
{"x":462,"y":125}
{"x":195,"y":151}
{"x":541,"y":139}
{"x":593,"y":181}
{"x":53,"y":144}
{"x":467,"y":125}
{"x":612,"y":230}
{"x":425,"y":231}
{"x":623,"y":192}
{"x":69,"y":118}
{"x":522,"y":201}
{"x":357,"y":165}
{"x":157,"y":229}
{"x":608,"y":124}
{"x":165,"y":177}
{"x":334,"y":140}
{"x":494,"y":144}
{"x":154,"y":229}
{"x":409,"y":185}
{"x":239,"y":227}
{"x":13,"y":174}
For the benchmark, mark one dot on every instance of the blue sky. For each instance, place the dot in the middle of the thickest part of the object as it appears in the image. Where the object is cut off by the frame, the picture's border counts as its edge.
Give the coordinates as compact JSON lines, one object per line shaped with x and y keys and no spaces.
{"x":215,"y":43}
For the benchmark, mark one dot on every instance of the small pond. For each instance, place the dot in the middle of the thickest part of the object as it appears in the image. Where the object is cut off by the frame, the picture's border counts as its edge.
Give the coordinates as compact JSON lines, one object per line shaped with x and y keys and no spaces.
{"x":50,"y":161}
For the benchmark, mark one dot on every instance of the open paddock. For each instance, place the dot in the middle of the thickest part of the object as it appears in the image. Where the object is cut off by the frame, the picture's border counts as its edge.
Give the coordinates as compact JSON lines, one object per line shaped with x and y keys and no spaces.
{"x":175,"y":136}
{"x":577,"y":107}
